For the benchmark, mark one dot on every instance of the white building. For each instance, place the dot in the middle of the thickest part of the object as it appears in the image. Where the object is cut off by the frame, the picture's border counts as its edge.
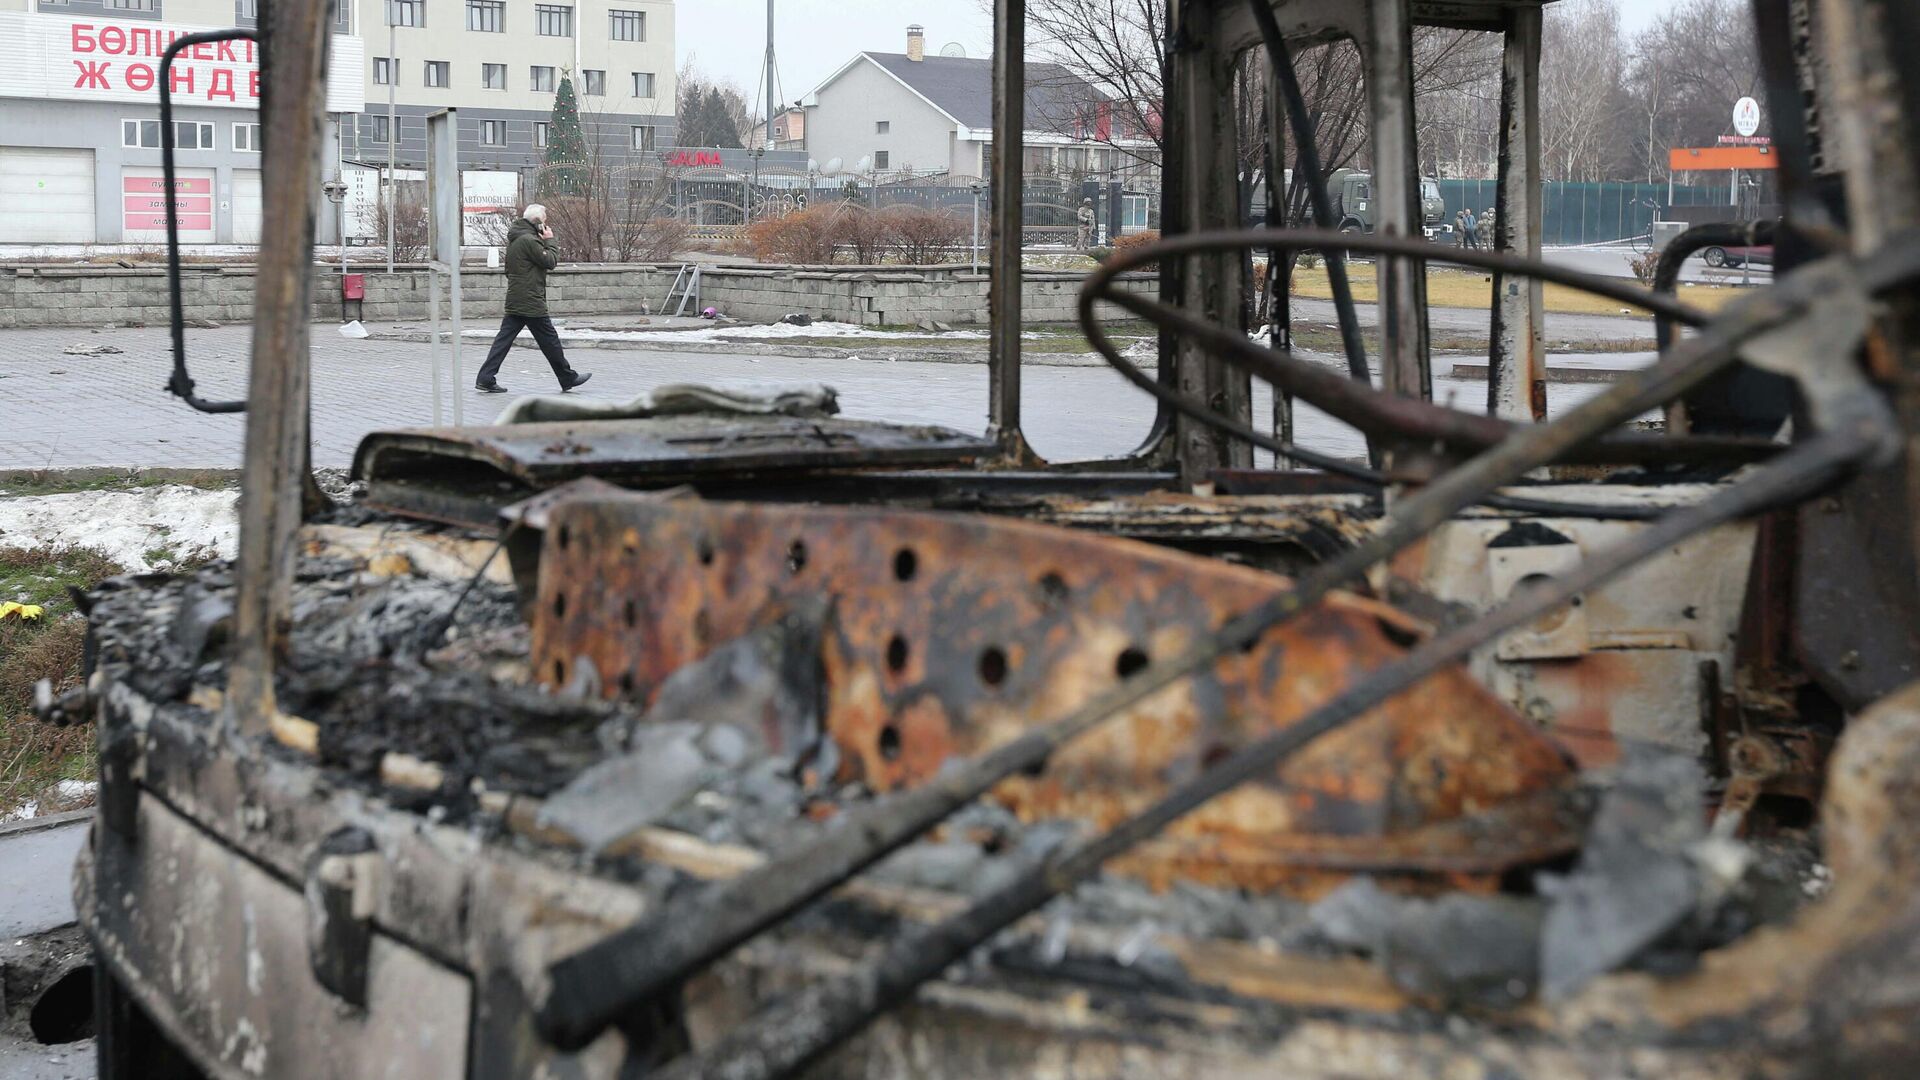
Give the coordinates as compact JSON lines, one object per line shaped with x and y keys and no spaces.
{"x":914,"y":113}
{"x":79,"y":108}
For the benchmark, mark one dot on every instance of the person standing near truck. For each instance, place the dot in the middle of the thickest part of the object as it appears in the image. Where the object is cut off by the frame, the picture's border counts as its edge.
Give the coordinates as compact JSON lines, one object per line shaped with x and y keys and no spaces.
{"x":1473,"y":228}
{"x":531,"y":252}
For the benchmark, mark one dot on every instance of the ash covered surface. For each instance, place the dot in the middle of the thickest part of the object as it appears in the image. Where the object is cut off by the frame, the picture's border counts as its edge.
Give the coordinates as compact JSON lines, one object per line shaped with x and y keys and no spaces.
{"x":734,"y":757}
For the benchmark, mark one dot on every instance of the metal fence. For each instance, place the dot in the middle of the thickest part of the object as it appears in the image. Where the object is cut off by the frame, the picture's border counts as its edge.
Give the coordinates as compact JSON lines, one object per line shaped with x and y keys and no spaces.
{"x":1573,"y":214}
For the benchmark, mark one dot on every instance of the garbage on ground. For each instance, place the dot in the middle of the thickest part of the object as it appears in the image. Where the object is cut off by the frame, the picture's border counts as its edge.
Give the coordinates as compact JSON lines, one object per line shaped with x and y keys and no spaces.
{"x":354,"y":330}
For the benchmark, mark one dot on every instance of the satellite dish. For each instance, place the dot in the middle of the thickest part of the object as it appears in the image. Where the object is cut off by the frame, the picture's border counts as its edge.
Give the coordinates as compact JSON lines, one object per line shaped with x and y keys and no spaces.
{"x":812,"y":165}
{"x":866,"y":164}
{"x":954,"y":49}
{"x":832,"y":167}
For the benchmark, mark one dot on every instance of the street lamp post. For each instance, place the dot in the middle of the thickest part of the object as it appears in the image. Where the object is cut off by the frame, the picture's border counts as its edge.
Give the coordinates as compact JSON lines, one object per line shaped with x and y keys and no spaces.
{"x":393,"y":133}
{"x":978,"y":187}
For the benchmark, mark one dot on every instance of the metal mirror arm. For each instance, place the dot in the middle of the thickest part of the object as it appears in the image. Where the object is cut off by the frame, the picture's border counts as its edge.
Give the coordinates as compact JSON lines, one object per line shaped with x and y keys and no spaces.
{"x":180,"y":383}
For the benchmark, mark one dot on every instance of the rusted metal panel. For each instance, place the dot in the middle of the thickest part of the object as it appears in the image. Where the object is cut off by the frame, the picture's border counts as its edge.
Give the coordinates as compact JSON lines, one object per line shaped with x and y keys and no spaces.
{"x":949,"y":635}
{"x":1623,"y":666}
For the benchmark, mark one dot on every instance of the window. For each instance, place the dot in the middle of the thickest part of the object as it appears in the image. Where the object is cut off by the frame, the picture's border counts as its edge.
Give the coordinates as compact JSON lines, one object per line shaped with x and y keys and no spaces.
{"x":245,"y":10}
{"x":627,"y":25}
{"x":596,"y":82}
{"x":382,"y":70}
{"x":493,"y":133}
{"x":643,"y":138}
{"x":378,"y":131}
{"x":882,"y":127}
{"x":643,"y":84}
{"x":1037,"y":160}
{"x":493,"y":76}
{"x":437,"y":73}
{"x":540,"y":134}
{"x":553,"y":20}
{"x":879,"y":160}
{"x":540,"y":79}
{"x":487,"y":16}
{"x":145,"y":134}
{"x":246,"y":137}
{"x":129,"y":5}
{"x":1134,"y":211}
{"x":406,"y":12}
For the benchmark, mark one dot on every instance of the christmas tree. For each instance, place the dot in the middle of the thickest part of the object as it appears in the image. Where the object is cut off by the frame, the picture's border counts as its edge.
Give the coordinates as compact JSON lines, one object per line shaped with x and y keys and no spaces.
{"x":566,"y":171}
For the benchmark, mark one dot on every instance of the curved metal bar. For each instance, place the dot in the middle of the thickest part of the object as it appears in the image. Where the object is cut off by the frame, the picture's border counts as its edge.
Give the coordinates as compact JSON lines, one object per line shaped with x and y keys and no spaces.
{"x":1666,"y":270}
{"x":1379,"y":415}
{"x":180,"y":383}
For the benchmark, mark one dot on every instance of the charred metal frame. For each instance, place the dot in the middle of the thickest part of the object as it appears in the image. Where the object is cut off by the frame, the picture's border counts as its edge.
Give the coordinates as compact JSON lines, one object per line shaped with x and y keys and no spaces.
{"x":1807,"y":329}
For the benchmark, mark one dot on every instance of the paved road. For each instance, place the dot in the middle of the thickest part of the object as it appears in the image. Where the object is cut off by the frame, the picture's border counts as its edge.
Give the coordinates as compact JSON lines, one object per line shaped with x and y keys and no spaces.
{"x":37,"y":866}
{"x":1612,"y":261}
{"x":65,"y":411}
{"x":36,"y":895}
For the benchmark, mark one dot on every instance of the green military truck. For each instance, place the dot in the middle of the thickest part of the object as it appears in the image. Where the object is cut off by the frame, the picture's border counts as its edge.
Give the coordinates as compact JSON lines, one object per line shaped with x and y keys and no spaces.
{"x":1352,"y":195}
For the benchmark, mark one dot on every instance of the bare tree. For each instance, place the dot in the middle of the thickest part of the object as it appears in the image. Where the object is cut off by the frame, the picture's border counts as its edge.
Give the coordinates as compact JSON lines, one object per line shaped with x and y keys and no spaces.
{"x":613,"y":207}
{"x":1582,"y":72}
{"x":1115,"y":45}
{"x":1688,"y":69}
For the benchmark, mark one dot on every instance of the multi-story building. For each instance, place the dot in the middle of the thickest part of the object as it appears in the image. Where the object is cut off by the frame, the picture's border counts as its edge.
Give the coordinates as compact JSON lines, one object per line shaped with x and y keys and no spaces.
{"x":79,"y":106}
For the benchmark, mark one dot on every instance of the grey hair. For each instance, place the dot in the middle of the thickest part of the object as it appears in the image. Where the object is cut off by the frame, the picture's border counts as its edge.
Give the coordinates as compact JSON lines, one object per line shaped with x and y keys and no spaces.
{"x":535,"y":213}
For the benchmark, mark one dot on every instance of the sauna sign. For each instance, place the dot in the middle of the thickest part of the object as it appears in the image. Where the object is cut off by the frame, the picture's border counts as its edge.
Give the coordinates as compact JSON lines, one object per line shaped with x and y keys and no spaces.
{"x":144,"y":203}
{"x":692,"y":159}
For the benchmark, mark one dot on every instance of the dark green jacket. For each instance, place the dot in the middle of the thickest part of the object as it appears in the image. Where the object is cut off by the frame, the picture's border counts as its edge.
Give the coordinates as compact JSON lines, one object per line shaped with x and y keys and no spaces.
{"x":528,"y":260}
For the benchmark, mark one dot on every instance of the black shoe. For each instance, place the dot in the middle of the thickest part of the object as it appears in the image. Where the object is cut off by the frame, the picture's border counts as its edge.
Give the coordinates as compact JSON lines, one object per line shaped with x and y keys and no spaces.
{"x":576,"y":380}
{"x":490,"y":388}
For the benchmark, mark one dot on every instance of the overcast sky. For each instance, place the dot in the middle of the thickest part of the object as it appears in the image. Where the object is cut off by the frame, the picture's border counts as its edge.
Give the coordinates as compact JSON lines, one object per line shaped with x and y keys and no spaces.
{"x":727,"y":38}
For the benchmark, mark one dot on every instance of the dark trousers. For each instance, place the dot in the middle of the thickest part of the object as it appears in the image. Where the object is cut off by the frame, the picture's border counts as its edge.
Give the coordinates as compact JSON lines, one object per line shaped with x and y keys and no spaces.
{"x":543,"y":333}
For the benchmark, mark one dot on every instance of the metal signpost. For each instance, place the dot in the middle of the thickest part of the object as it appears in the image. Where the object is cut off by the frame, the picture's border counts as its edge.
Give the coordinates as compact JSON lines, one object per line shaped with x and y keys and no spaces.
{"x":1746,"y":121}
{"x":443,"y":253}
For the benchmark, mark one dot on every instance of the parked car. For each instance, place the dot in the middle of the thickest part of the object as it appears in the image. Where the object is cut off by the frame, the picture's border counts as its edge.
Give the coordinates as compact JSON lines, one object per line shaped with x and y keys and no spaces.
{"x":1761,"y":255}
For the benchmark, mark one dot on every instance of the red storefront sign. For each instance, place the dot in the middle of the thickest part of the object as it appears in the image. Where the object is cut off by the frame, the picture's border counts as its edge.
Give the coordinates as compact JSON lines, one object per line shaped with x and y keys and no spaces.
{"x":144,"y":202}
{"x":694,"y":159}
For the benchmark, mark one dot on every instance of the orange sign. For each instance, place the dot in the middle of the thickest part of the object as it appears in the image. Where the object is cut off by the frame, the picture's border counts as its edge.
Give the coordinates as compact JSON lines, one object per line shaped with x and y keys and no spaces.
{"x":1693,"y":158}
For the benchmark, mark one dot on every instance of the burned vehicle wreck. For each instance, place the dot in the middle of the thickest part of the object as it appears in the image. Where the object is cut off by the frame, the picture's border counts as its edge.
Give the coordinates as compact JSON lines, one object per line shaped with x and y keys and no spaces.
{"x":737,"y":739}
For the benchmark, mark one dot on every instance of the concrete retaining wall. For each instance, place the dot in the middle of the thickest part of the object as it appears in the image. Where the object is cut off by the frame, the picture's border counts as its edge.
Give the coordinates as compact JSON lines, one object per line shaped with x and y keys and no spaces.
{"x":869,"y":296}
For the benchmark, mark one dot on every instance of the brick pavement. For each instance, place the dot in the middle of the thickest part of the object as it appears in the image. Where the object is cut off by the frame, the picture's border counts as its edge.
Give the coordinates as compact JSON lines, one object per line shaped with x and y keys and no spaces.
{"x":113,"y":410}
{"x":66,"y":411}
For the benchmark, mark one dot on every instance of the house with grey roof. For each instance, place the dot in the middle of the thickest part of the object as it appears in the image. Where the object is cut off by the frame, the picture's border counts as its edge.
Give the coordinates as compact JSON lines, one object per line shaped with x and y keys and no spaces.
{"x":894,"y":115}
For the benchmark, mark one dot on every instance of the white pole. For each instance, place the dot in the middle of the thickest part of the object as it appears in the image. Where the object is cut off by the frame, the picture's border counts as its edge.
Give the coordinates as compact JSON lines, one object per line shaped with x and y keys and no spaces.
{"x":393,"y":140}
{"x":976,"y":232}
{"x":454,"y":332}
{"x":433,"y":338}
{"x":340,"y":207}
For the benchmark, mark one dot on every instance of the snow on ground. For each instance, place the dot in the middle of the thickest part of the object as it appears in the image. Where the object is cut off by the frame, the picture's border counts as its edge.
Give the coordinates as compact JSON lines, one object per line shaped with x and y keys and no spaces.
{"x":140,"y":530}
{"x":65,"y":795}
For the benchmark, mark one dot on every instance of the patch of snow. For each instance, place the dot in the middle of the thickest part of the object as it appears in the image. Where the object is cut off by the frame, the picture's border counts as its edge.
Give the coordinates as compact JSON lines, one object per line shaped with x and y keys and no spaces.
{"x":74,"y":790}
{"x":169,"y":523}
{"x":25,"y":811}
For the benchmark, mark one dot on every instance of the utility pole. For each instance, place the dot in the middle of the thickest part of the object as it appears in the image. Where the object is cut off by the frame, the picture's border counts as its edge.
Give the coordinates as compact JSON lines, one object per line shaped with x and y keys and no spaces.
{"x":766,"y":143}
{"x":393,"y":134}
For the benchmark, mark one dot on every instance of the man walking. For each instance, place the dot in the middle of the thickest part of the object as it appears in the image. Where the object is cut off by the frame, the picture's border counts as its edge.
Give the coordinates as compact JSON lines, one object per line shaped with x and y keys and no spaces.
{"x":531,"y":252}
